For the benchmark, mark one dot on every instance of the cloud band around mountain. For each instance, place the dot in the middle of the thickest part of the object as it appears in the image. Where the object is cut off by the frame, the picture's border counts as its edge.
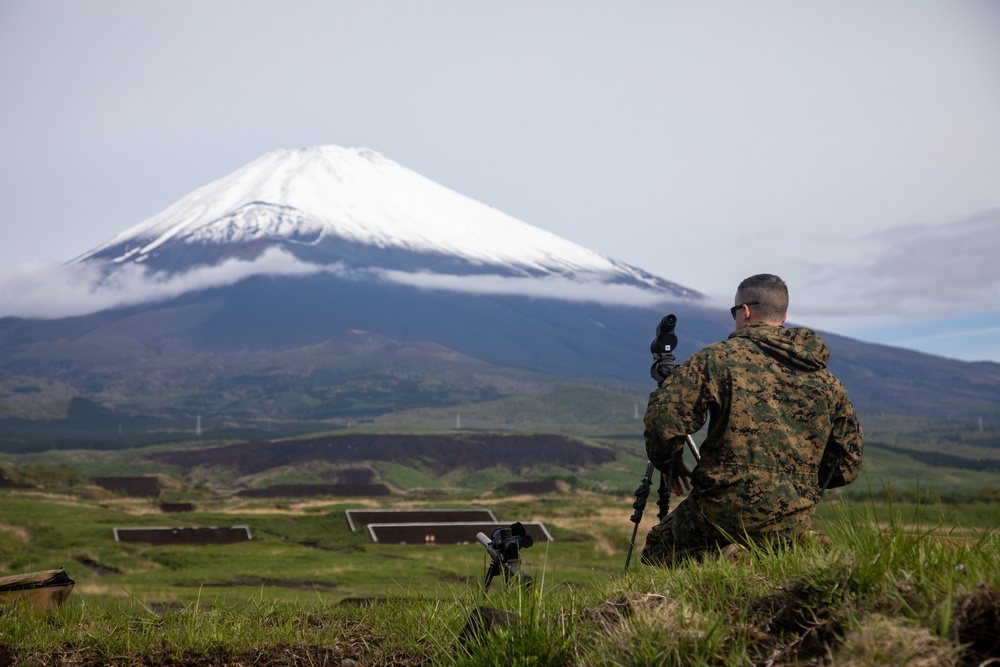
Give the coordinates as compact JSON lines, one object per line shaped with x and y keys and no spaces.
{"x":911,"y":273}
{"x":46,"y":291}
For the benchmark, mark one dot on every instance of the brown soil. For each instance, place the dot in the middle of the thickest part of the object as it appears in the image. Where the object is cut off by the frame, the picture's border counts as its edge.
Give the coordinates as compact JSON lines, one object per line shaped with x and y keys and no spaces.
{"x":538,"y":488}
{"x":257,"y":582}
{"x":136,"y":487}
{"x":311,"y":490}
{"x":168,"y":508}
{"x":976,"y":625}
{"x":155,"y":535}
{"x":441,"y":453}
{"x":97,"y":568}
{"x":360,"y":649}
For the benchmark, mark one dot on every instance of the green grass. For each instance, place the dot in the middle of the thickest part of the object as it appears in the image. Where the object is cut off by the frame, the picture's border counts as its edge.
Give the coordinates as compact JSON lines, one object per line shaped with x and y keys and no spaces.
{"x":894,"y":588}
{"x":885,"y":594}
{"x":900,"y":471}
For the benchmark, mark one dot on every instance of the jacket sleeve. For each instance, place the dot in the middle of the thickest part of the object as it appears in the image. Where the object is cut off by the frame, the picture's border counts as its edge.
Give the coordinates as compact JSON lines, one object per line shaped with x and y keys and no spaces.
{"x":675,"y":409}
{"x":841,"y":462}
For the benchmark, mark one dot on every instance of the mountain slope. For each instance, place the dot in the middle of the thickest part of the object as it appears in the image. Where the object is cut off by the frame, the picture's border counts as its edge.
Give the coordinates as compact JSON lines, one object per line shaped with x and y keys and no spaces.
{"x":203,"y":352}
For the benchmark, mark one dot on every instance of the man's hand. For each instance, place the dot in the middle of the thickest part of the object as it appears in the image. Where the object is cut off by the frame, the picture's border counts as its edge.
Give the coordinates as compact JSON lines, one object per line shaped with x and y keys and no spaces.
{"x":681,"y":476}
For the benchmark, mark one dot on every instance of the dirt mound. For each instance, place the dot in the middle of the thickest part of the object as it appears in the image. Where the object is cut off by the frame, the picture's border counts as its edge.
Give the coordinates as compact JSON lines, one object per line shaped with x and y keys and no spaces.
{"x":168,"y":508}
{"x":134,"y":487}
{"x":441,"y":453}
{"x":538,"y":488}
{"x":161,"y":535}
{"x":975,"y":623}
{"x":311,"y":490}
{"x":360,"y":518}
{"x":355,"y":476}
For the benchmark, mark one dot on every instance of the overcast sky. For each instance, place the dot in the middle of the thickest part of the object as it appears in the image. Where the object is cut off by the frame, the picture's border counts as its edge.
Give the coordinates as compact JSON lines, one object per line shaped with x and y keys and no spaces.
{"x":851,"y":147}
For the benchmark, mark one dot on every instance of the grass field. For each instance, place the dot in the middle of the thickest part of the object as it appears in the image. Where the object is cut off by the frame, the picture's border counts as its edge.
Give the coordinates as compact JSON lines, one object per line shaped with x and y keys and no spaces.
{"x":906,"y":583}
{"x":305,"y":549}
{"x":892,"y":591}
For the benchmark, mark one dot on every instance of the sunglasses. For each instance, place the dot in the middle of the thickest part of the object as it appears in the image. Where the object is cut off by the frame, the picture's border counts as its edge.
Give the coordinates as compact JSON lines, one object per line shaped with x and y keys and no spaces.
{"x":732,"y":311}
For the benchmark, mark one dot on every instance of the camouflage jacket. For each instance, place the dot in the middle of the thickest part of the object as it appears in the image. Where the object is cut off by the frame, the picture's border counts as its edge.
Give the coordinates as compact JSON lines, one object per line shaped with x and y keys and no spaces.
{"x":779,"y":425}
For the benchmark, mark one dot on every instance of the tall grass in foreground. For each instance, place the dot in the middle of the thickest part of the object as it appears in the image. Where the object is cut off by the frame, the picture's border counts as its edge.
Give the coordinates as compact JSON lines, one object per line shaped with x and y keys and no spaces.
{"x":885,"y":594}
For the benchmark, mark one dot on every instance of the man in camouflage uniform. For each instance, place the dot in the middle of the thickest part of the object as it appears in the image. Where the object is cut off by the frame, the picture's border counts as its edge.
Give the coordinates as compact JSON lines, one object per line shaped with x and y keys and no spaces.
{"x":780,"y":426}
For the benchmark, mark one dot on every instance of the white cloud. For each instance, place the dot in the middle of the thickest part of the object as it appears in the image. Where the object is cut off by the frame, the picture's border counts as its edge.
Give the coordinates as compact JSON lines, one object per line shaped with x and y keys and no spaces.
{"x":553,"y":287}
{"x":45,"y":290}
{"x":908,"y":272}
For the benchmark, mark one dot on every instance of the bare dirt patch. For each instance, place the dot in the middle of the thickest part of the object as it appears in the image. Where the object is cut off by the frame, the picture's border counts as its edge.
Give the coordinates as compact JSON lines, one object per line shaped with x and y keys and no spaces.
{"x":17,"y":532}
{"x":441,"y":453}
{"x":161,"y":535}
{"x":97,"y":568}
{"x":135,"y":487}
{"x":169,"y":508}
{"x":310,"y":490}
{"x":538,"y":488}
{"x":975,"y":622}
{"x":257,"y":582}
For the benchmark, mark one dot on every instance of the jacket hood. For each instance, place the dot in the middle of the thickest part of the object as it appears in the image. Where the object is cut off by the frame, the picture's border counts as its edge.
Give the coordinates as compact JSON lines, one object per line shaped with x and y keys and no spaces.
{"x":798,"y":348}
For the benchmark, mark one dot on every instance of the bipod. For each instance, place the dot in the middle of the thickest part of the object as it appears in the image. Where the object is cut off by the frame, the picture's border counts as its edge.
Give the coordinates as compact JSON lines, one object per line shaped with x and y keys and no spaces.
{"x":641,"y":495}
{"x":504,"y":547}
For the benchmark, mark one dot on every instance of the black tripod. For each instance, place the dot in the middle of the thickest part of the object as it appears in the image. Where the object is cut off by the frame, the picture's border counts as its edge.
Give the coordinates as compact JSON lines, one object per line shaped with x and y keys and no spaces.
{"x":662,"y":347}
{"x":504,"y":547}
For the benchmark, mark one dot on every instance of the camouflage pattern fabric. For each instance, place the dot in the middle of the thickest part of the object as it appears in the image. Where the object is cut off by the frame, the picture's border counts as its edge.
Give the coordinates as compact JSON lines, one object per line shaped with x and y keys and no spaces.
{"x":779,"y":424}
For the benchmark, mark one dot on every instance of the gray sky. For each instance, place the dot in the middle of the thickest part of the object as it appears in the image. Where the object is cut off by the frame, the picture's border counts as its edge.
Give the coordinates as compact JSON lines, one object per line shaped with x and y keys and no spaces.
{"x":851,"y":147}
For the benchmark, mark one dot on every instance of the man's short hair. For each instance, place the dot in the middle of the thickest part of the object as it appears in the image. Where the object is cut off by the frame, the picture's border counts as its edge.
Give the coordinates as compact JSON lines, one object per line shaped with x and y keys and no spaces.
{"x":770,"y":293}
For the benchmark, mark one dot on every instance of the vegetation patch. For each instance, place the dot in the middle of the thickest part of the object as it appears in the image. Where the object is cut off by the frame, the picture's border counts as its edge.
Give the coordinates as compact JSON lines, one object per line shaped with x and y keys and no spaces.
{"x":893,"y":589}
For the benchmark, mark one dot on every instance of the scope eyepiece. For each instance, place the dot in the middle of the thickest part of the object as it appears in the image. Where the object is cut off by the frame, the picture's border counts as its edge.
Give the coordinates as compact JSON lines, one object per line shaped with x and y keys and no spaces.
{"x":509,"y":541}
{"x":666,"y":339}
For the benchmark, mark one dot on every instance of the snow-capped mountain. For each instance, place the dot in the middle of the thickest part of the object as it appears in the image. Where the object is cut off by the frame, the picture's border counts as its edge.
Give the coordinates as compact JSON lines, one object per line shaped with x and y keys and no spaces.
{"x":347,"y":270}
{"x":355,"y":208}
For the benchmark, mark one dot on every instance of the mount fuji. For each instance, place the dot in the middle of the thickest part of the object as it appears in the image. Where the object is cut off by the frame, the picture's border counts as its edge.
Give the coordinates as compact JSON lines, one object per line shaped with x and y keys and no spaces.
{"x":354,"y":212}
{"x":333,"y":282}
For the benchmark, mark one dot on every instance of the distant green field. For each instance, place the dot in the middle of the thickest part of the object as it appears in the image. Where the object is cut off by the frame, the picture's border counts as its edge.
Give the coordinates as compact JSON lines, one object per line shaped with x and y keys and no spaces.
{"x":300,"y":549}
{"x":937,"y":456}
{"x":303,"y":549}
{"x":305,"y":561}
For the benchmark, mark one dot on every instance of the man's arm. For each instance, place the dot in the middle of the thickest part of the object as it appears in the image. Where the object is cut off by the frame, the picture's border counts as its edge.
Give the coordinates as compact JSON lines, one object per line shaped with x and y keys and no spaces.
{"x":841,"y":462}
{"x":674,"y":410}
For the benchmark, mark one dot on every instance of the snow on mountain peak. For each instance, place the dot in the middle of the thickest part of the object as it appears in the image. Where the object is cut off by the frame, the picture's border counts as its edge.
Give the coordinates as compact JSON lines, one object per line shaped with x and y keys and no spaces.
{"x":358,"y":195}
{"x":344,"y":206}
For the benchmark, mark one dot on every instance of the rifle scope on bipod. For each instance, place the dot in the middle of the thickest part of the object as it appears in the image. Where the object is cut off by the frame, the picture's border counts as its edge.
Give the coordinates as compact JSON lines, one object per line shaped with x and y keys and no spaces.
{"x":504,"y":547}
{"x":662,"y":348}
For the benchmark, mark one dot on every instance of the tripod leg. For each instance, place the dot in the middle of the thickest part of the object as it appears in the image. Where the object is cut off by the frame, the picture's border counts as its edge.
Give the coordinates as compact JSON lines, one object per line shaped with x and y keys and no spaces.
{"x":490,"y":573}
{"x":631,"y":546}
